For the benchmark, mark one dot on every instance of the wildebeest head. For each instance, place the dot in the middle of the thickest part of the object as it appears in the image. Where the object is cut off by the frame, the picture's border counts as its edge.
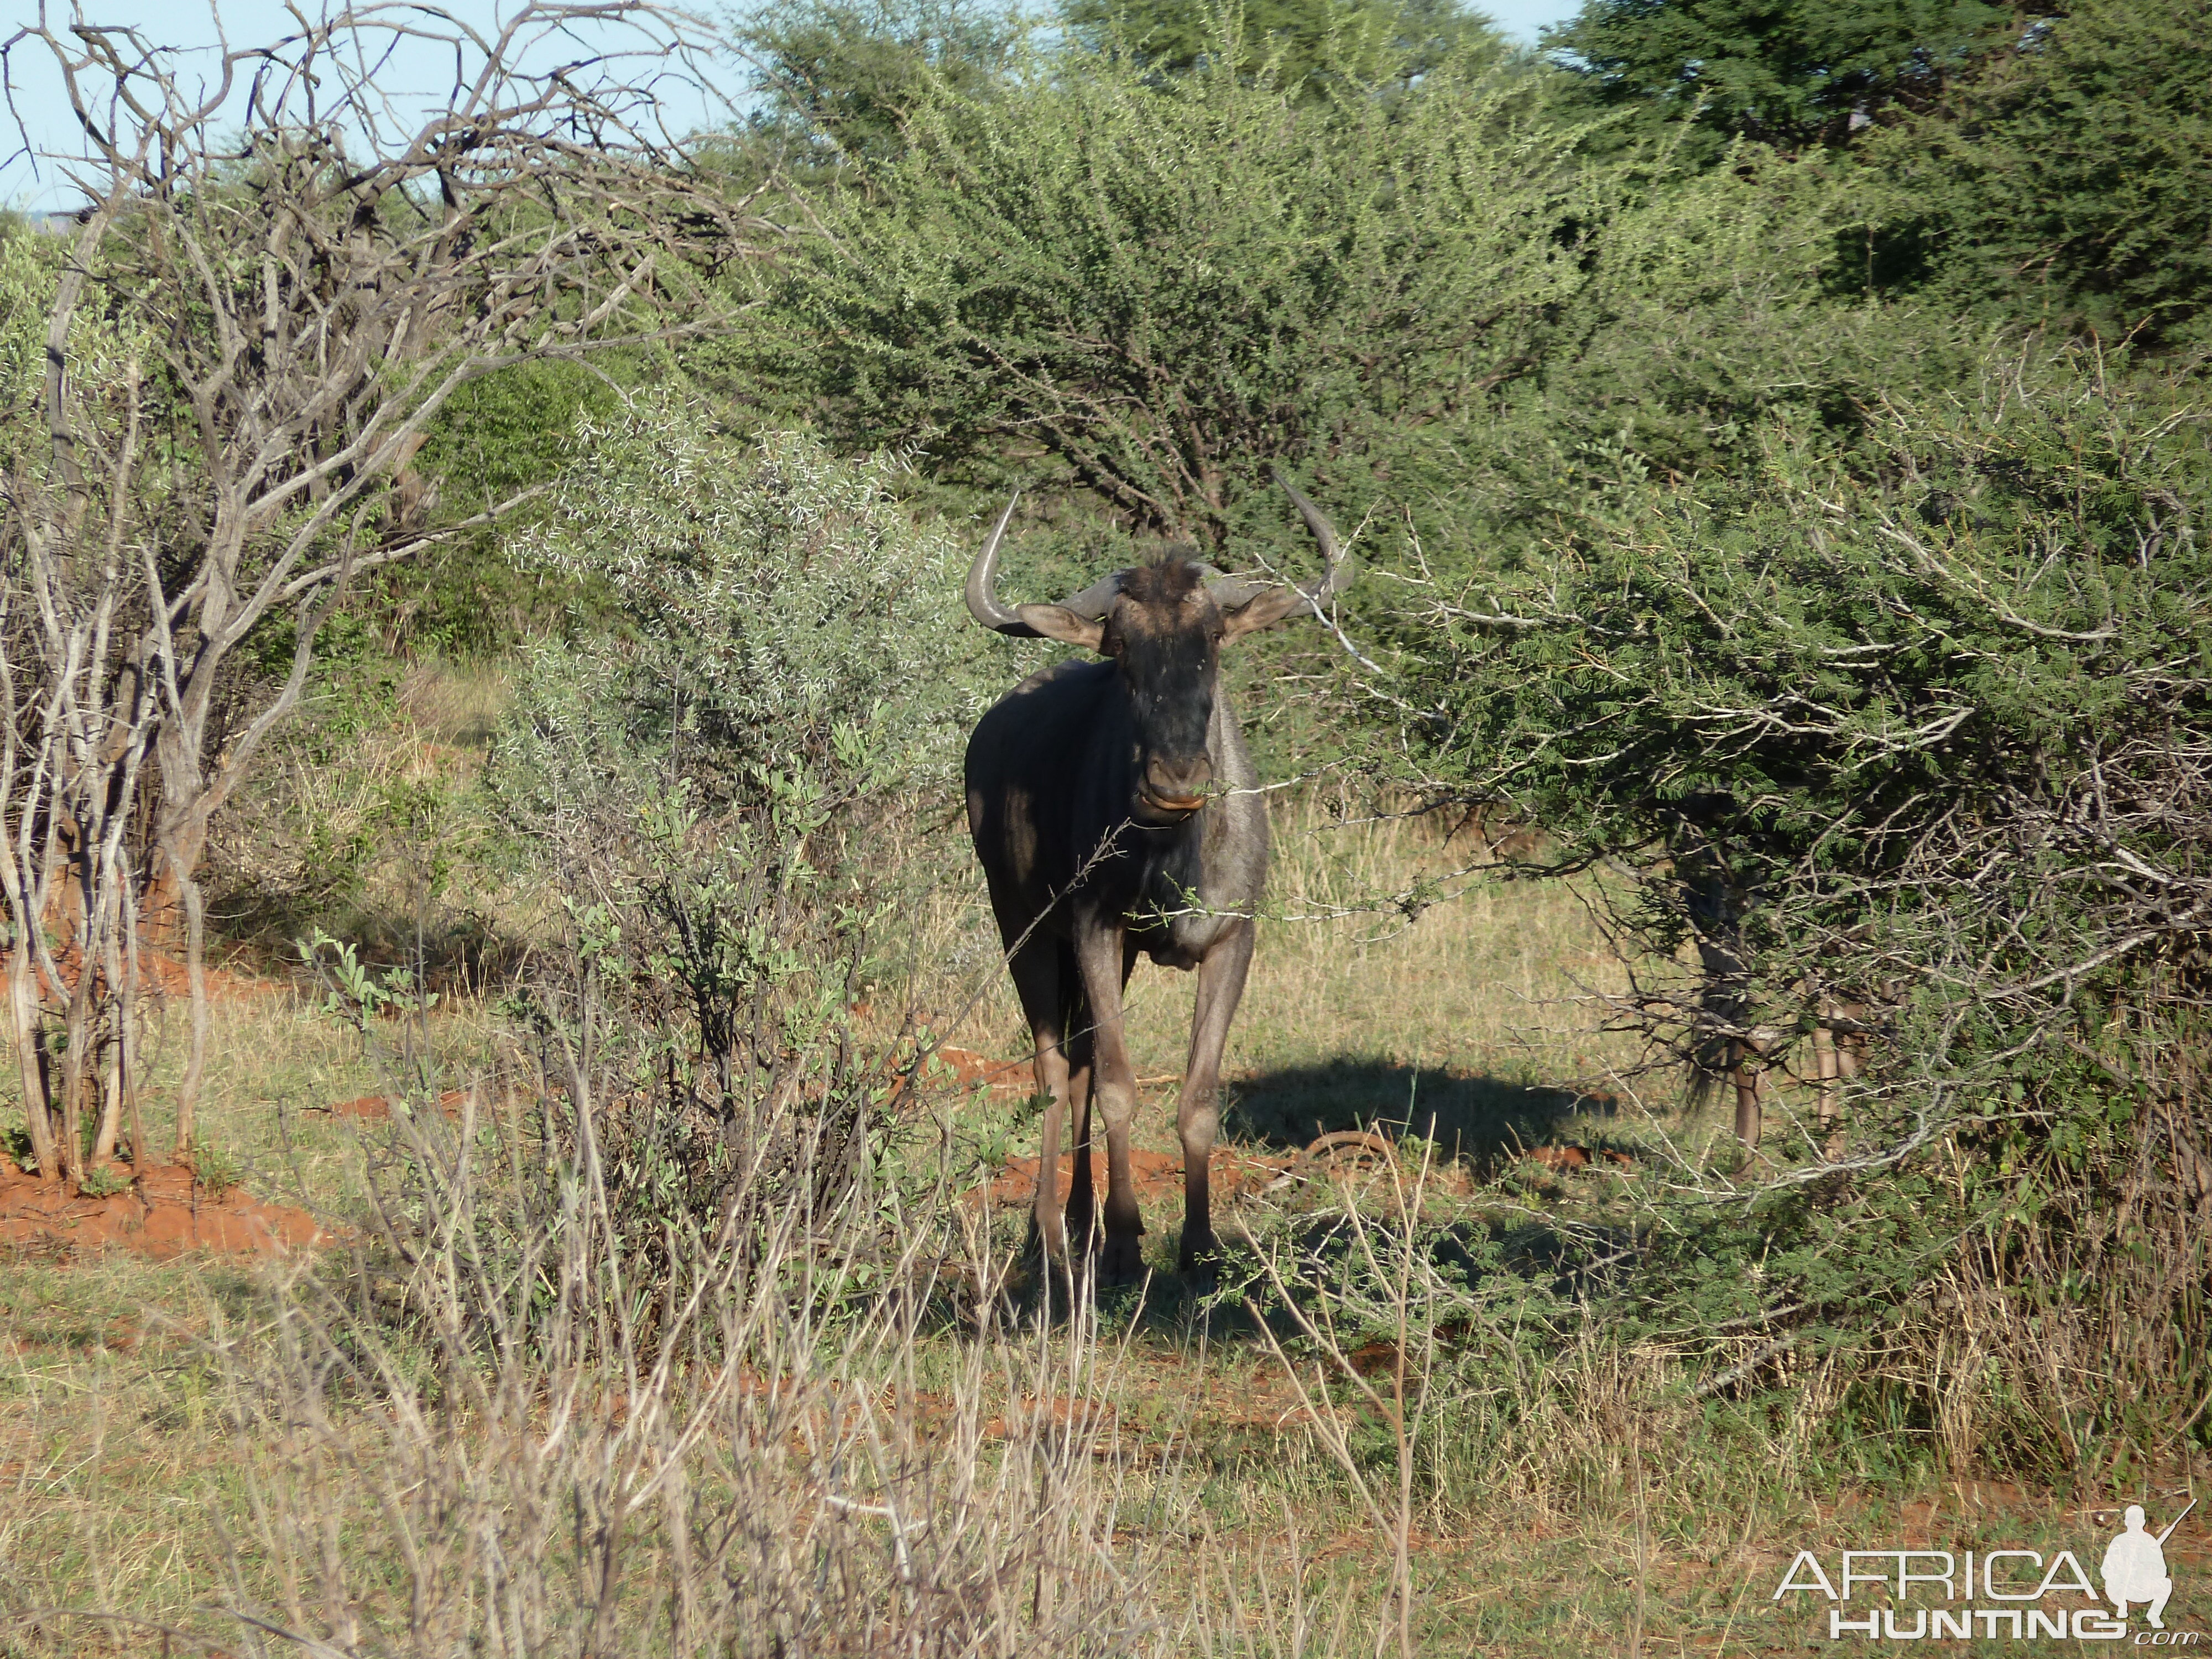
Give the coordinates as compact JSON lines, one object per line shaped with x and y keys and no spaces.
{"x":1164,"y":625}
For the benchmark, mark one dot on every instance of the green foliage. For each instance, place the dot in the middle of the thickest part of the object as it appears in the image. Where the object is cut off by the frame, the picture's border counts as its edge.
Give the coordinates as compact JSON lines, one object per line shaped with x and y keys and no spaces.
{"x":1147,"y":296}
{"x":1300,"y":46}
{"x":103,"y":343}
{"x":1801,"y":671}
{"x":769,"y":605}
{"x":104,"y":1182}
{"x":356,"y":993}
{"x":1429,"y":303}
{"x":1787,"y":74}
{"x":2071,"y":180}
{"x":494,"y":441}
{"x":16,"y":1143}
{"x":498,"y":436}
{"x":1909,"y":729}
{"x":215,"y":1171}
{"x":716,"y":794}
{"x":841,"y":77}
{"x":1710,"y":309}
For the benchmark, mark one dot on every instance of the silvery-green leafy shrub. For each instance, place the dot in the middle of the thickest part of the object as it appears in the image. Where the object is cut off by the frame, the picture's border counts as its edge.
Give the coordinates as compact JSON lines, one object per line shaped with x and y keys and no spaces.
{"x":713,"y":782}
{"x":767,"y":597}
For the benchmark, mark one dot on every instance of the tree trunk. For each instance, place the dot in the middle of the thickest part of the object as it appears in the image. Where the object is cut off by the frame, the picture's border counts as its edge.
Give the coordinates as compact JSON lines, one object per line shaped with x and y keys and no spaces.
{"x":1825,"y":1069}
{"x":180,"y":839}
{"x":143,"y":1155}
{"x":114,"y":1071}
{"x":110,"y":1092}
{"x":79,"y":1017}
{"x":1750,"y":1088}
{"x":188,"y":1089}
{"x":23,"y":1023}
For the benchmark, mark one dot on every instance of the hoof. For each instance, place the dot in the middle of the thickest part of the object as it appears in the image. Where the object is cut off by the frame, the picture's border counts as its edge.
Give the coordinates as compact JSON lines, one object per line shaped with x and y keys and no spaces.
{"x":1051,"y":1248}
{"x":1121,"y":1262}
{"x":1200,"y":1266}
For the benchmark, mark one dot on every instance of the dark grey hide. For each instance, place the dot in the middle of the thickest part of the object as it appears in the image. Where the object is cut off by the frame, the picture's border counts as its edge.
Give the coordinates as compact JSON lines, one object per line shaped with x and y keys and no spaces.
{"x":1116,"y":813}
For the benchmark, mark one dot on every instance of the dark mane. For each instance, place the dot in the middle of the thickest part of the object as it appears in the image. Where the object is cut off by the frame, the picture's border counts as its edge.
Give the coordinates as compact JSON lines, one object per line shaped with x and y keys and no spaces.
{"x":1167,"y":580}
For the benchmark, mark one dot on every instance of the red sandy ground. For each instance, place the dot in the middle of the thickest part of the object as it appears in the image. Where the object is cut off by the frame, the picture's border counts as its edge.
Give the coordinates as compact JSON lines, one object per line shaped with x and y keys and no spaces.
{"x":1012,"y":1076}
{"x":163,"y":976}
{"x":161,"y":1214}
{"x":1155,"y":1175}
{"x":373,"y":1106}
{"x":164,"y":1212}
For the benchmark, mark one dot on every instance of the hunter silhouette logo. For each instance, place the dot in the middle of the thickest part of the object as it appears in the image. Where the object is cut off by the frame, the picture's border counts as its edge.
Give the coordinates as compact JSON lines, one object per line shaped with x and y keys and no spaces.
{"x":2134,"y":1566}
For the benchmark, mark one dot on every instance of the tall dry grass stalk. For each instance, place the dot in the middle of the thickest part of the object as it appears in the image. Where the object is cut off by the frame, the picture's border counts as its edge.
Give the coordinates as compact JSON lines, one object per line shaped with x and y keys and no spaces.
{"x":495,"y":1431}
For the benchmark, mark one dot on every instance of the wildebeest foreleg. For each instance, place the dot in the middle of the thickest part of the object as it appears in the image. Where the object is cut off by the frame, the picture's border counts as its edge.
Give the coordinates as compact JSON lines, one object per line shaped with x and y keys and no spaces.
{"x":1100,"y":955}
{"x":1082,"y":1204}
{"x":1220,"y":985}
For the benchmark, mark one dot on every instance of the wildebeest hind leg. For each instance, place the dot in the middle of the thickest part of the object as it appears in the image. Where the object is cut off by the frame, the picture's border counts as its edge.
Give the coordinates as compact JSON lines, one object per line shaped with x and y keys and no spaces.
{"x":1198,"y":1115}
{"x":1037,"y":974}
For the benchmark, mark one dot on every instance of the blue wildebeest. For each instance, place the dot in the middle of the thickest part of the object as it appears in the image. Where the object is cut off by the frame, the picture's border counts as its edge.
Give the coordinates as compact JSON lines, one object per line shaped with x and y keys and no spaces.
{"x":1116,"y":812}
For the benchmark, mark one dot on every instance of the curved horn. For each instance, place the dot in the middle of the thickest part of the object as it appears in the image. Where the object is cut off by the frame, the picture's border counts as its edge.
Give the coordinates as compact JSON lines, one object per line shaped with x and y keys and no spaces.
{"x":985,"y":605}
{"x":982,"y":584}
{"x":1229,"y":592}
{"x":1337,"y":574}
{"x":1096,"y":600}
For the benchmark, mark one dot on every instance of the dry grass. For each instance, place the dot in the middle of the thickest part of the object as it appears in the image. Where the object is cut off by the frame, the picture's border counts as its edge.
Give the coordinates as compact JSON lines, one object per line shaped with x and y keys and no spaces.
{"x":179,"y":1444}
{"x":913,"y":1469}
{"x":374,"y":828}
{"x":154,"y":1472}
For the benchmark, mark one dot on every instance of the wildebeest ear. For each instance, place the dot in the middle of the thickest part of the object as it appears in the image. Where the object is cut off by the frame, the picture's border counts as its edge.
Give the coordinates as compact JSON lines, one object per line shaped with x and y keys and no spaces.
{"x":1057,"y":622}
{"x":1264,"y":611}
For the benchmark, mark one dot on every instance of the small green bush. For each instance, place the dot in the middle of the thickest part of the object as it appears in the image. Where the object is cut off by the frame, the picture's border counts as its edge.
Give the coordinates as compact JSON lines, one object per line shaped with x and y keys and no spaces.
{"x":214,"y":1169}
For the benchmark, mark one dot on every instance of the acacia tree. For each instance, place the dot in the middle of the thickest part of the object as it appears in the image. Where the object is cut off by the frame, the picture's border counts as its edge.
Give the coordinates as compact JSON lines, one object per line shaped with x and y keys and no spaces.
{"x":1146,"y":295}
{"x":1910,"y":744}
{"x":1901,"y":755}
{"x":1786,"y":72}
{"x":297,"y":302}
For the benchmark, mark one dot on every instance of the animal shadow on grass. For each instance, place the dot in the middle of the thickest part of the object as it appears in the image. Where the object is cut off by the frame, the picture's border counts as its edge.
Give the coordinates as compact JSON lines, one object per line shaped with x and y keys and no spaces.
{"x":1483,"y":1123}
{"x":1479,"y":1121}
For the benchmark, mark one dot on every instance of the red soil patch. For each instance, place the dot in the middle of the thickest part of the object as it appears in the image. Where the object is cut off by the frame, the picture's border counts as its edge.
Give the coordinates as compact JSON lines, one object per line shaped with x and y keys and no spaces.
{"x":1565,"y":1159}
{"x":161,"y":976}
{"x":161,"y":1214}
{"x":1013,"y":1076}
{"x":1155,"y":1175}
{"x":373,"y":1107}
